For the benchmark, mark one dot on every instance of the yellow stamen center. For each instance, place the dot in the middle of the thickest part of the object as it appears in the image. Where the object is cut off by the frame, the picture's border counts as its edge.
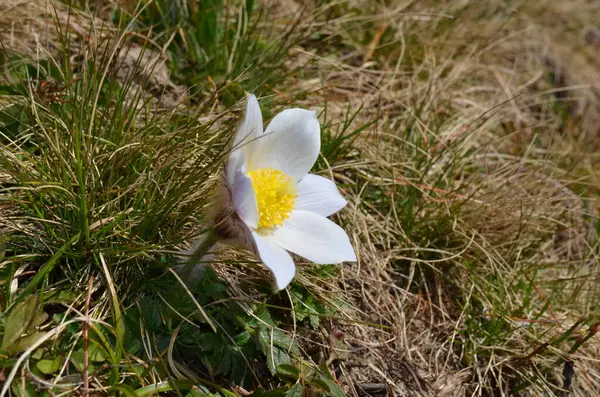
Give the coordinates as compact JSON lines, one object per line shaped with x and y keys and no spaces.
{"x":275,"y":196}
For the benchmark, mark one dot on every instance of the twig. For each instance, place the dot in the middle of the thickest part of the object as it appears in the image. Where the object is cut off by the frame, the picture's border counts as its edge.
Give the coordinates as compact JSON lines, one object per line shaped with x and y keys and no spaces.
{"x":381,"y":28}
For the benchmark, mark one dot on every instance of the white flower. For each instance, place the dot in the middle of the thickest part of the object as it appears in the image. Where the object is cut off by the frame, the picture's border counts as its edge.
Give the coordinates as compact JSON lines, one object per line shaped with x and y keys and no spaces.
{"x":283,"y":206}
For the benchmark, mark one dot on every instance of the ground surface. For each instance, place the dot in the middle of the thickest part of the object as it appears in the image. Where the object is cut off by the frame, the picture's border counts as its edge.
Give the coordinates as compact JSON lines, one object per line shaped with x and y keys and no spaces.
{"x":465,"y":136}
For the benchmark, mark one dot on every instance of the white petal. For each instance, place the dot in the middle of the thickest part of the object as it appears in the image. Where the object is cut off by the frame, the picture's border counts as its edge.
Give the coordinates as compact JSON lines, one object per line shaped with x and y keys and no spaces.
{"x":236,"y":161}
{"x":319,"y":195}
{"x":244,"y":198}
{"x":291,"y":143}
{"x":314,"y":237}
{"x":276,"y":259}
{"x":250,"y":130}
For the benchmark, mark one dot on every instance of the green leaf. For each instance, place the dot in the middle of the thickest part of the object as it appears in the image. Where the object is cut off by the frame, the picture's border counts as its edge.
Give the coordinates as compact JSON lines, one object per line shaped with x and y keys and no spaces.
{"x":25,"y":389}
{"x":275,"y":348}
{"x":40,"y":318}
{"x":19,"y":320}
{"x":134,"y":347}
{"x":276,"y":358}
{"x":25,"y":343}
{"x":288,"y":371}
{"x":49,"y":367}
{"x":314,"y":321}
{"x":325,"y":381}
{"x":59,"y":296}
{"x":150,"y":313}
{"x":7,"y":363}
{"x":319,"y":384}
{"x":281,"y":392}
{"x":242,"y":338}
{"x":96,"y":353}
{"x":38,"y":354}
{"x":126,"y":390}
{"x":262,"y":317}
{"x":165,"y":386}
{"x":77,"y":360}
{"x":295,"y":391}
{"x":282,"y":340}
{"x":333,"y":388}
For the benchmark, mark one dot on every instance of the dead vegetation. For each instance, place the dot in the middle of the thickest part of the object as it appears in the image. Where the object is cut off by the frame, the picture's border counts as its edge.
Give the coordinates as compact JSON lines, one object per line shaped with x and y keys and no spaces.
{"x":489,"y":115}
{"x":472,"y":195}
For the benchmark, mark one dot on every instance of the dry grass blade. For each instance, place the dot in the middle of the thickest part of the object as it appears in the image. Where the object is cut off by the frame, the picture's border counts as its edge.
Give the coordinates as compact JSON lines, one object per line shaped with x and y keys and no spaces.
{"x":198,"y":306}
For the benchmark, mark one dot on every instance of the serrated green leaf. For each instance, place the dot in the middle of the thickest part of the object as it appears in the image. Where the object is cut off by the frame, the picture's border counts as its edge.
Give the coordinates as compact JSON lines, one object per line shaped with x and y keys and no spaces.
{"x":264,"y":339}
{"x":49,"y":367}
{"x":282,"y":340}
{"x":223,"y":361}
{"x":314,"y":321}
{"x":300,"y":315}
{"x":275,"y":352}
{"x":277,"y":358}
{"x":19,"y":320}
{"x":150,"y":313}
{"x":210,"y":342}
{"x":262,"y":317}
{"x":295,"y":391}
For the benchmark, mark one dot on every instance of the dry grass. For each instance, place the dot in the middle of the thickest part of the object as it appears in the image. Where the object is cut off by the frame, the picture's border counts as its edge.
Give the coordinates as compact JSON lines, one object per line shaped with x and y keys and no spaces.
{"x":472,"y":197}
{"x":489,"y":116}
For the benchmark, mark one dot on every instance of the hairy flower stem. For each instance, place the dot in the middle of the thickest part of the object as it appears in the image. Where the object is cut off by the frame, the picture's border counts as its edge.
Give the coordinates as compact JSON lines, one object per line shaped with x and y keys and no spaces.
{"x":192,"y":264}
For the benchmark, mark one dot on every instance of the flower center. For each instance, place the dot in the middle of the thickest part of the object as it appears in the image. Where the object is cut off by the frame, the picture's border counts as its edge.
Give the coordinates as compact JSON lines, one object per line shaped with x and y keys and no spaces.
{"x":275,"y":196}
